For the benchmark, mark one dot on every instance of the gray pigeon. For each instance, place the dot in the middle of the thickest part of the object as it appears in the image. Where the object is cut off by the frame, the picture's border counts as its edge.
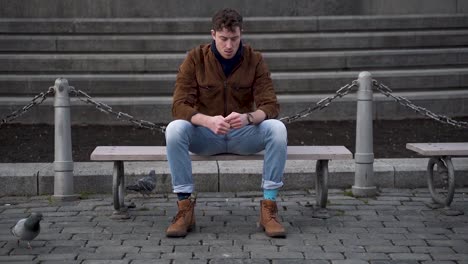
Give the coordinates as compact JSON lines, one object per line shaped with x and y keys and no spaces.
{"x":27,"y":228}
{"x":144,"y":185}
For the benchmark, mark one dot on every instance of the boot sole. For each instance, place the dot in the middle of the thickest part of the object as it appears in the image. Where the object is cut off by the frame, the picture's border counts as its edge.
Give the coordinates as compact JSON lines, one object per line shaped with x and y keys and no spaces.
{"x":180,"y":234}
{"x":277,"y":234}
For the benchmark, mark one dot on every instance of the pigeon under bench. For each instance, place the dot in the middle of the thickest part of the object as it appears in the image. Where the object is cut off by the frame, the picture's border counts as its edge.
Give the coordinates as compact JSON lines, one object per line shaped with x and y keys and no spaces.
{"x":120,"y":154}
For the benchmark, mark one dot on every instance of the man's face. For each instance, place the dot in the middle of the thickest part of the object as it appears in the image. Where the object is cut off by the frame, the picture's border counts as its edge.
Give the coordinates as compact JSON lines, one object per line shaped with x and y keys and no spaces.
{"x":227,"y":42}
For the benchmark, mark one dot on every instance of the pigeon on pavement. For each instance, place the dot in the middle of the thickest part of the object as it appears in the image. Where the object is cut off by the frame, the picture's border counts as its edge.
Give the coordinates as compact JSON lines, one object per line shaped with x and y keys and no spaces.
{"x":144,"y":185}
{"x":27,"y":228}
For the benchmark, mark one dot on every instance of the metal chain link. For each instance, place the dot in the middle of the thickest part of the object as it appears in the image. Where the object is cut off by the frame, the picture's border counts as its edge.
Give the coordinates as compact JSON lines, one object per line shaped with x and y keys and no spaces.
{"x":322,"y":103}
{"x":385,"y":90}
{"x":119,"y":115}
{"x":423,"y":111}
{"x":37,"y":100}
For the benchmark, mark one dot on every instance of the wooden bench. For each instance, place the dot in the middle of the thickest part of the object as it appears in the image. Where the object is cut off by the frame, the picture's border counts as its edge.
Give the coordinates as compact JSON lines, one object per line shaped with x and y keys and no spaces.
{"x":441,"y":154}
{"x":119,"y":154}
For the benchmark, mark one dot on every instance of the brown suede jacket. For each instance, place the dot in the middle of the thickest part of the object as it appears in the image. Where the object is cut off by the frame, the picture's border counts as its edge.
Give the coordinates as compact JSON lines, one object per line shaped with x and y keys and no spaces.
{"x":202,"y":87}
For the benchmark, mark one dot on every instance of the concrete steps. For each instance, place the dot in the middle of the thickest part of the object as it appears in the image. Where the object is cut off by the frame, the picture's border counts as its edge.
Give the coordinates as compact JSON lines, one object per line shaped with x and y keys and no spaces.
{"x":40,"y":63}
{"x":191,"y":25}
{"x":127,"y":59}
{"x":285,"y":82}
{"x":263,"y":42}
{"x":206,"y":8}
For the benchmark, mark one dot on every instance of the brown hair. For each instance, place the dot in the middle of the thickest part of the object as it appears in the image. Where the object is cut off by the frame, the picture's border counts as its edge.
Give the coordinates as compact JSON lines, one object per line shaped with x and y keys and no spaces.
{"x":227,"y":18}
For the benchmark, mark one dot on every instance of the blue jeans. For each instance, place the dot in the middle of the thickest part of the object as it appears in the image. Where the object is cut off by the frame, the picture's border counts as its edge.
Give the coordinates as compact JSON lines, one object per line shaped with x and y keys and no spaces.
{"x":182,"y":137}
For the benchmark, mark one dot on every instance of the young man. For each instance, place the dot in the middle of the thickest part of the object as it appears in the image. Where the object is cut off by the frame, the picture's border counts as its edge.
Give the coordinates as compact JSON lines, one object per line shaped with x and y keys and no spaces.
{"x":224,"y":102}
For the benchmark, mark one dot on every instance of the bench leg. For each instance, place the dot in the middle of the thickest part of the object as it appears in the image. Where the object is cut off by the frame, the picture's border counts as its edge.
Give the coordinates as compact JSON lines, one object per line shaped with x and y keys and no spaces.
{"x":118,"y":191}
{"x":447,"y":173}
{"x":321,"y":183}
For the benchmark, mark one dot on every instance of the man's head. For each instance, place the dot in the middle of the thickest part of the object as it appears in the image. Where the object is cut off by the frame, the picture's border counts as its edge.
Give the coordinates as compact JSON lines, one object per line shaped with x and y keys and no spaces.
{"x":227,"y":27}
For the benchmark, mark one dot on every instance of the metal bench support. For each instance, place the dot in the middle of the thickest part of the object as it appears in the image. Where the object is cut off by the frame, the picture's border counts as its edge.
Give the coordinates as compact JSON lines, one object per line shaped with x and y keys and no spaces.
{"x":447,"y":174}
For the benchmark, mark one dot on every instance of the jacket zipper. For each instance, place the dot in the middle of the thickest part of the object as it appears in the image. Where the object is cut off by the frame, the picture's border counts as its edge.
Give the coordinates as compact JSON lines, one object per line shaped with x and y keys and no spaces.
{"x":225,"y":98}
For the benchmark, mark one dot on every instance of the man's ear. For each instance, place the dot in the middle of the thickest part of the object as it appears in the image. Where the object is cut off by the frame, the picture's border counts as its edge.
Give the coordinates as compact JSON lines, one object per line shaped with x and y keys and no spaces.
{"x":213,"y":34}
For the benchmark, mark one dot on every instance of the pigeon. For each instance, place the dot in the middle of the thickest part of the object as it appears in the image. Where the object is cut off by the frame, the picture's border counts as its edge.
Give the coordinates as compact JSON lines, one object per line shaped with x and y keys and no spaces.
{"x":144,"y":185}
{"x":27,"y":228}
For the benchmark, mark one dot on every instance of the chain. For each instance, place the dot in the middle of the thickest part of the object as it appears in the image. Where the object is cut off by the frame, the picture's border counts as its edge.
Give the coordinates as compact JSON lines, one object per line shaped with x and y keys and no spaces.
{"x":37,"y":100}
{"x":322,"y":103}
{"x":423,"y":111}
{"x":119,"y":115}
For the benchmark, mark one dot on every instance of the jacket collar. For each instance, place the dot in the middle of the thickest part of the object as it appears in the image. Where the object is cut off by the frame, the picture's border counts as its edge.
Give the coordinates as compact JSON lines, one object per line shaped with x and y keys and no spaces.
{"x":234,"y":60}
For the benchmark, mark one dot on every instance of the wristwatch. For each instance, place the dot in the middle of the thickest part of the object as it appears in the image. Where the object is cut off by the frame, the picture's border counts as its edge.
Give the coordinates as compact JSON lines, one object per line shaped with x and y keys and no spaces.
{"x":250,"y":118}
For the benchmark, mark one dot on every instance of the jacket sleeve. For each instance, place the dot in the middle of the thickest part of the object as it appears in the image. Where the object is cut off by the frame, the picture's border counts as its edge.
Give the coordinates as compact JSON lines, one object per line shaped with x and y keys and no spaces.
{"x":264,"y":93}
{"x":185,"y":91}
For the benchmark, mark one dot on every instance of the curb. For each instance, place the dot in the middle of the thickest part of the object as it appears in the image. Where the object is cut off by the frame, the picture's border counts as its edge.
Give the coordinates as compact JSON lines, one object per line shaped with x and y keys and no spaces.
{"x":28,"y":179}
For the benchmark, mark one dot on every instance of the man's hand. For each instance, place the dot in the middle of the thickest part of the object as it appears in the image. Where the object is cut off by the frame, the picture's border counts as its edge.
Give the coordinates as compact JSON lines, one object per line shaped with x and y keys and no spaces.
{"x":236,"y":120}
{"x":218,"y":125}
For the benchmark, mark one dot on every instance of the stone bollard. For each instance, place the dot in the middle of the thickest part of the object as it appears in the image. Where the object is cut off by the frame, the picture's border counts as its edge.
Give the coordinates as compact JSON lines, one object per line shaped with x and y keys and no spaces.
{"x":364,"y":156}
{"x":63,"y":164}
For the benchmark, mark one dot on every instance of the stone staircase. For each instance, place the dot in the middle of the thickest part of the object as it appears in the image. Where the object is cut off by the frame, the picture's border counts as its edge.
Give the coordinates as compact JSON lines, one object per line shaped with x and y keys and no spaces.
{"x":130,"y":62}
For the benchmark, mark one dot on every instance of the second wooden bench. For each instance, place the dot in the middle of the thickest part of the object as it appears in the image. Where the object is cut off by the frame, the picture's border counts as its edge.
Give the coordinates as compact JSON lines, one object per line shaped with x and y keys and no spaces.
{"x":441,"y":154}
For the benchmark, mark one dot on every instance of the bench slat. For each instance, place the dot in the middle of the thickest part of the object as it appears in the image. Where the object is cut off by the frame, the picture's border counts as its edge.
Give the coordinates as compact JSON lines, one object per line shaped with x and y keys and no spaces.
{"x":158,"y":153}
{"x":440,"y":149}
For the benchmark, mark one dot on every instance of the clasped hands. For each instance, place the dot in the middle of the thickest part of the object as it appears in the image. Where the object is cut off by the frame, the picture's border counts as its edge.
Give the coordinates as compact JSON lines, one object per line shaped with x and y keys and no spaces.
{"x":222,"y":125}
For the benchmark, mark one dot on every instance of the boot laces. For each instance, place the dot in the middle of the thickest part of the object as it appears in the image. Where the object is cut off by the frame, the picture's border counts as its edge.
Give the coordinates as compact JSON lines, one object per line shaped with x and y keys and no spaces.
{"x":181,"y":213}
{"x":272,"y":212}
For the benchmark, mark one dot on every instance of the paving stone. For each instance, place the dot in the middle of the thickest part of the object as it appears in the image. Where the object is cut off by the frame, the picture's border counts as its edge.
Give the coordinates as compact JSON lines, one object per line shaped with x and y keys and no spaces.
{"x":438,"y":262}
{"x":192,"y":261}
{"x":73,"y":249}
{"x":432,"y":250}
{"x":366,"y":256}
{"x":63,"y":257}
{"x":301,"y":248}
{"x":105,"y":262}
{"x":276,"y":255}
{"x":157,"y":249}
{"x":98,"y":243}
{"x":239,"y":261}
{"x":344,"y":249}
{"x":299,"y":261}
{"x":367,"y":242}
{"x":387,"y":249}
{"x":323,"y":255}
{"x":448,"y":243}
{"x":456,"y":257}
{"x":350,"y":261}
{"x":101,"y":256}
{"x":11,"y":258}
{"x":142,"y":256}
{"x":138,"y":243}
{"x":59,"y":262}
{"x":409,"y":242}
{"x":410,"y":256}
{"x":66,"y":243}
{"x":197,"y":248}
{"x":402,"y":261}
{"x":117,"y":249}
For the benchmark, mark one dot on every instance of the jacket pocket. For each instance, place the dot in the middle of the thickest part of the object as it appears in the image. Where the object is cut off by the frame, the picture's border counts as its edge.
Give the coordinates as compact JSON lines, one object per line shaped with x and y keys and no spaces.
{"x":207,"y":93}
{"x":242,"y":95}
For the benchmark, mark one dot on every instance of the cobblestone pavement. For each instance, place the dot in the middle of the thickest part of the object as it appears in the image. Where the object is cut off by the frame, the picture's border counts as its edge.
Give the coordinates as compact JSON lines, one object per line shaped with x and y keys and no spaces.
{"x":395,"y":227}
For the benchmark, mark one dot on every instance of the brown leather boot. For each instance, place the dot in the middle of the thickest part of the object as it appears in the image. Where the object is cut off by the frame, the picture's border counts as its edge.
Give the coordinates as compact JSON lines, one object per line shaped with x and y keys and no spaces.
{"x":269,"y":219}
{"x":184,"y":221}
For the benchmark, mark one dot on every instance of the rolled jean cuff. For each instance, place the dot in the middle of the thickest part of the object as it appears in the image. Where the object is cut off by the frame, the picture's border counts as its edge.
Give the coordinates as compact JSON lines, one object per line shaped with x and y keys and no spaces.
{"x":184,"y":188}
{"x":269,"y":185}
